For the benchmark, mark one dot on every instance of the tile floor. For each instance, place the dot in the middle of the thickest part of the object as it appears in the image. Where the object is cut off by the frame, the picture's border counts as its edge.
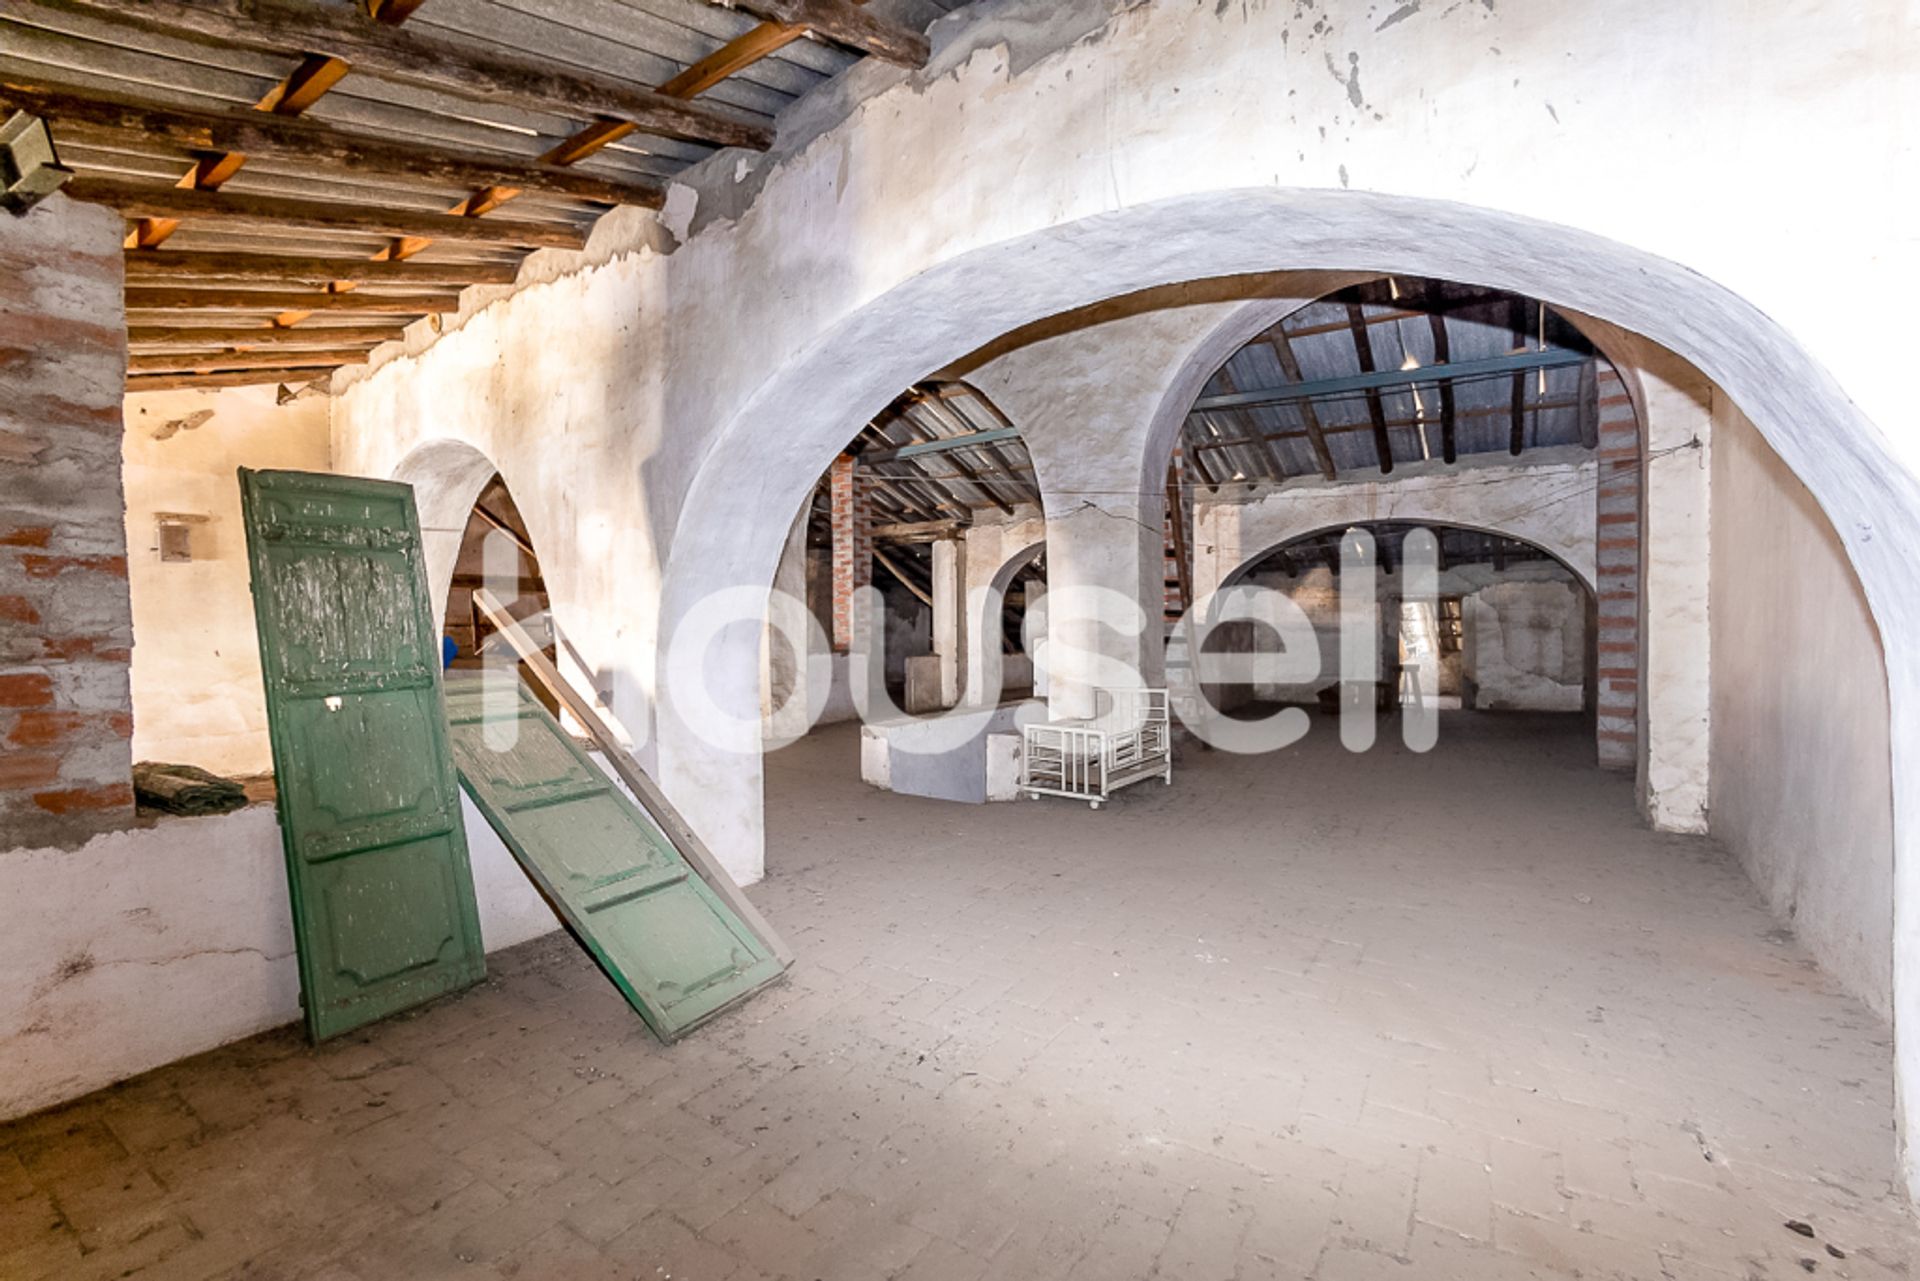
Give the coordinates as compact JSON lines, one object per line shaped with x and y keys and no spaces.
{"x":1453,"y":1016}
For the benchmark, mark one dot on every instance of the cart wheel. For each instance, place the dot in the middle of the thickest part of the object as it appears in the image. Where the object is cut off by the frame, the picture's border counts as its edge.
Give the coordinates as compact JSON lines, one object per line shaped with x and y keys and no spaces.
{"x":1093,"y":805}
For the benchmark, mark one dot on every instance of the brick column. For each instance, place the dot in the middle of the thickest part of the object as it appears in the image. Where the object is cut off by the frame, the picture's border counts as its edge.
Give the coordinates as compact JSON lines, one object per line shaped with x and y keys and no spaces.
{"x":1617,"y":585}
{"x":66,"y":629}
{"x":852,"y":547}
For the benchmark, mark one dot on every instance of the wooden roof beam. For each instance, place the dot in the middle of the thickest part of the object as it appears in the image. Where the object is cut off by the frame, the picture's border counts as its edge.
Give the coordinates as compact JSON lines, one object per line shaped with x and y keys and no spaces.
{"x":1443,"y":354}
{"x":137,"y":201}
{"x":412,"y":57}
{"x":172,"y":298}
{"x":166,"y":265}
{"x":230,"y":378}
{"x":1376,"y":408}
{"x":269,"y":136}
{"x":1309,"y":417}
{"x":261,"y":334}
{"x":217,"y":362}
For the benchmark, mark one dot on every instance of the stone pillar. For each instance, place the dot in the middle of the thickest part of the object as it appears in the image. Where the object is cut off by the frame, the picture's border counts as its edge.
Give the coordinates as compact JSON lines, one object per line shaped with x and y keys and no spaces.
{"x":1106,"y":576}
{"x":1675,"y":695}
{"x":66,"y":630}
{"x":852,"y":547}
{"x":1617,"y":577}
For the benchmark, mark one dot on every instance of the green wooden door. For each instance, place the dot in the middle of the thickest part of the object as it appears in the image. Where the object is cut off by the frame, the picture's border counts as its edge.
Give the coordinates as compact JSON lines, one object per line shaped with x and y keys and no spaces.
{"x":674,"y":949}
{"x":383,"y":908}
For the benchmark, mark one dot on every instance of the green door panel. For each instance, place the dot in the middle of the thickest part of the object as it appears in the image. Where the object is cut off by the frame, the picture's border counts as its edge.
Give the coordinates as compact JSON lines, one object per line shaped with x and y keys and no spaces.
{"x":383,"y":907}
{"x":673,"y":947}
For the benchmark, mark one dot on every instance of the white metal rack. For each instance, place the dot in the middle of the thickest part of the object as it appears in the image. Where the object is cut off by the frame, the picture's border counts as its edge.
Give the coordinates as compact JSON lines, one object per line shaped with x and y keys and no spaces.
{"x":1128,"y":740}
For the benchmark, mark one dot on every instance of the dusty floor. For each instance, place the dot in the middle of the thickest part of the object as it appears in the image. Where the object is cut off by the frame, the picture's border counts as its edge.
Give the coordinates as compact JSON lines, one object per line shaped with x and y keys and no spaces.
{"x":1325,"y":1016}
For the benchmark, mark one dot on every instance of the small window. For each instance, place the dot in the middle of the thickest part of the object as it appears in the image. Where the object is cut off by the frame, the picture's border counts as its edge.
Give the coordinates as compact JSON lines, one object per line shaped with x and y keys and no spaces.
{"x":176,"y":536}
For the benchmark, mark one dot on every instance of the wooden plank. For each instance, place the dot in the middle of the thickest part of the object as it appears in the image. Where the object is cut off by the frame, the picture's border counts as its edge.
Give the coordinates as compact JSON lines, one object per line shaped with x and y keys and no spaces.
{"x":301,"y":86}
{"x":219,"y":362}
{"x":169,"y":265}
{"x":847,"y":23}
{"x":1309,"y":416}
{"x":264,"y":135}
{"x":663,"y":812}
{"x":260,"y":334}
{"x":230,"y":378}
{"x":424,"y":60}
{"x":175,"y":298}
{"x":900,"y":576}
{"x":215,"y":208}
{"x":925,"y":531}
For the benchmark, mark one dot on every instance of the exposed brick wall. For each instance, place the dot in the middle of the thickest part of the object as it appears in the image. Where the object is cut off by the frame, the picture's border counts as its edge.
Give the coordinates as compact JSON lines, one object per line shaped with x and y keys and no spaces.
{"x":1617,"y":513}
{"x":66,"y":633}
{"x":852,"y":546}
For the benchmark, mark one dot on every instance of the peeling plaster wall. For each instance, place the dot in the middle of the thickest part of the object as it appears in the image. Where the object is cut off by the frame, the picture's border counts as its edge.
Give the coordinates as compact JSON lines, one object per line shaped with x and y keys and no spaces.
{"x":1802,"y":787}
{"x":197,"y":692}
{"x":1523,"y":643}
{"x":182,"y":942}
{"x":1526,"y":646}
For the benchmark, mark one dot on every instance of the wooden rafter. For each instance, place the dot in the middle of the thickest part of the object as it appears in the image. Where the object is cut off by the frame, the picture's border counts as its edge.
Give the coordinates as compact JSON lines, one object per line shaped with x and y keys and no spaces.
{"x":847,"y":23}
{"x":1309,"y":417}
{"x":424,"y":61}
{"x":1376,"y":407}
{"x":294,"y":94}
{"x":734,"y":56}
{"x":1269,"y":459}
{"x":266,"y":135}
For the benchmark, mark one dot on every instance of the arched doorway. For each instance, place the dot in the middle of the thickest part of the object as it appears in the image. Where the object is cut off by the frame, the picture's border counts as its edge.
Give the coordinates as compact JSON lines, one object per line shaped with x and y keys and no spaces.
{"x":1510,"y":627}
{"x":1655,"y":313}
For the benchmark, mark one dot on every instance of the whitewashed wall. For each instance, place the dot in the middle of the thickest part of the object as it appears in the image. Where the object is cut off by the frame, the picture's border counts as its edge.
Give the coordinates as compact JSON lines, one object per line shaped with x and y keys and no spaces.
{"x":1801,"y":788}
{"x":197,"y":692}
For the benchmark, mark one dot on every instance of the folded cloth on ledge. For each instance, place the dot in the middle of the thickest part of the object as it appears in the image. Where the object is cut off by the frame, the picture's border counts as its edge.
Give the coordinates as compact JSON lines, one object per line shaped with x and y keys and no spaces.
{"x":185,"y":789}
